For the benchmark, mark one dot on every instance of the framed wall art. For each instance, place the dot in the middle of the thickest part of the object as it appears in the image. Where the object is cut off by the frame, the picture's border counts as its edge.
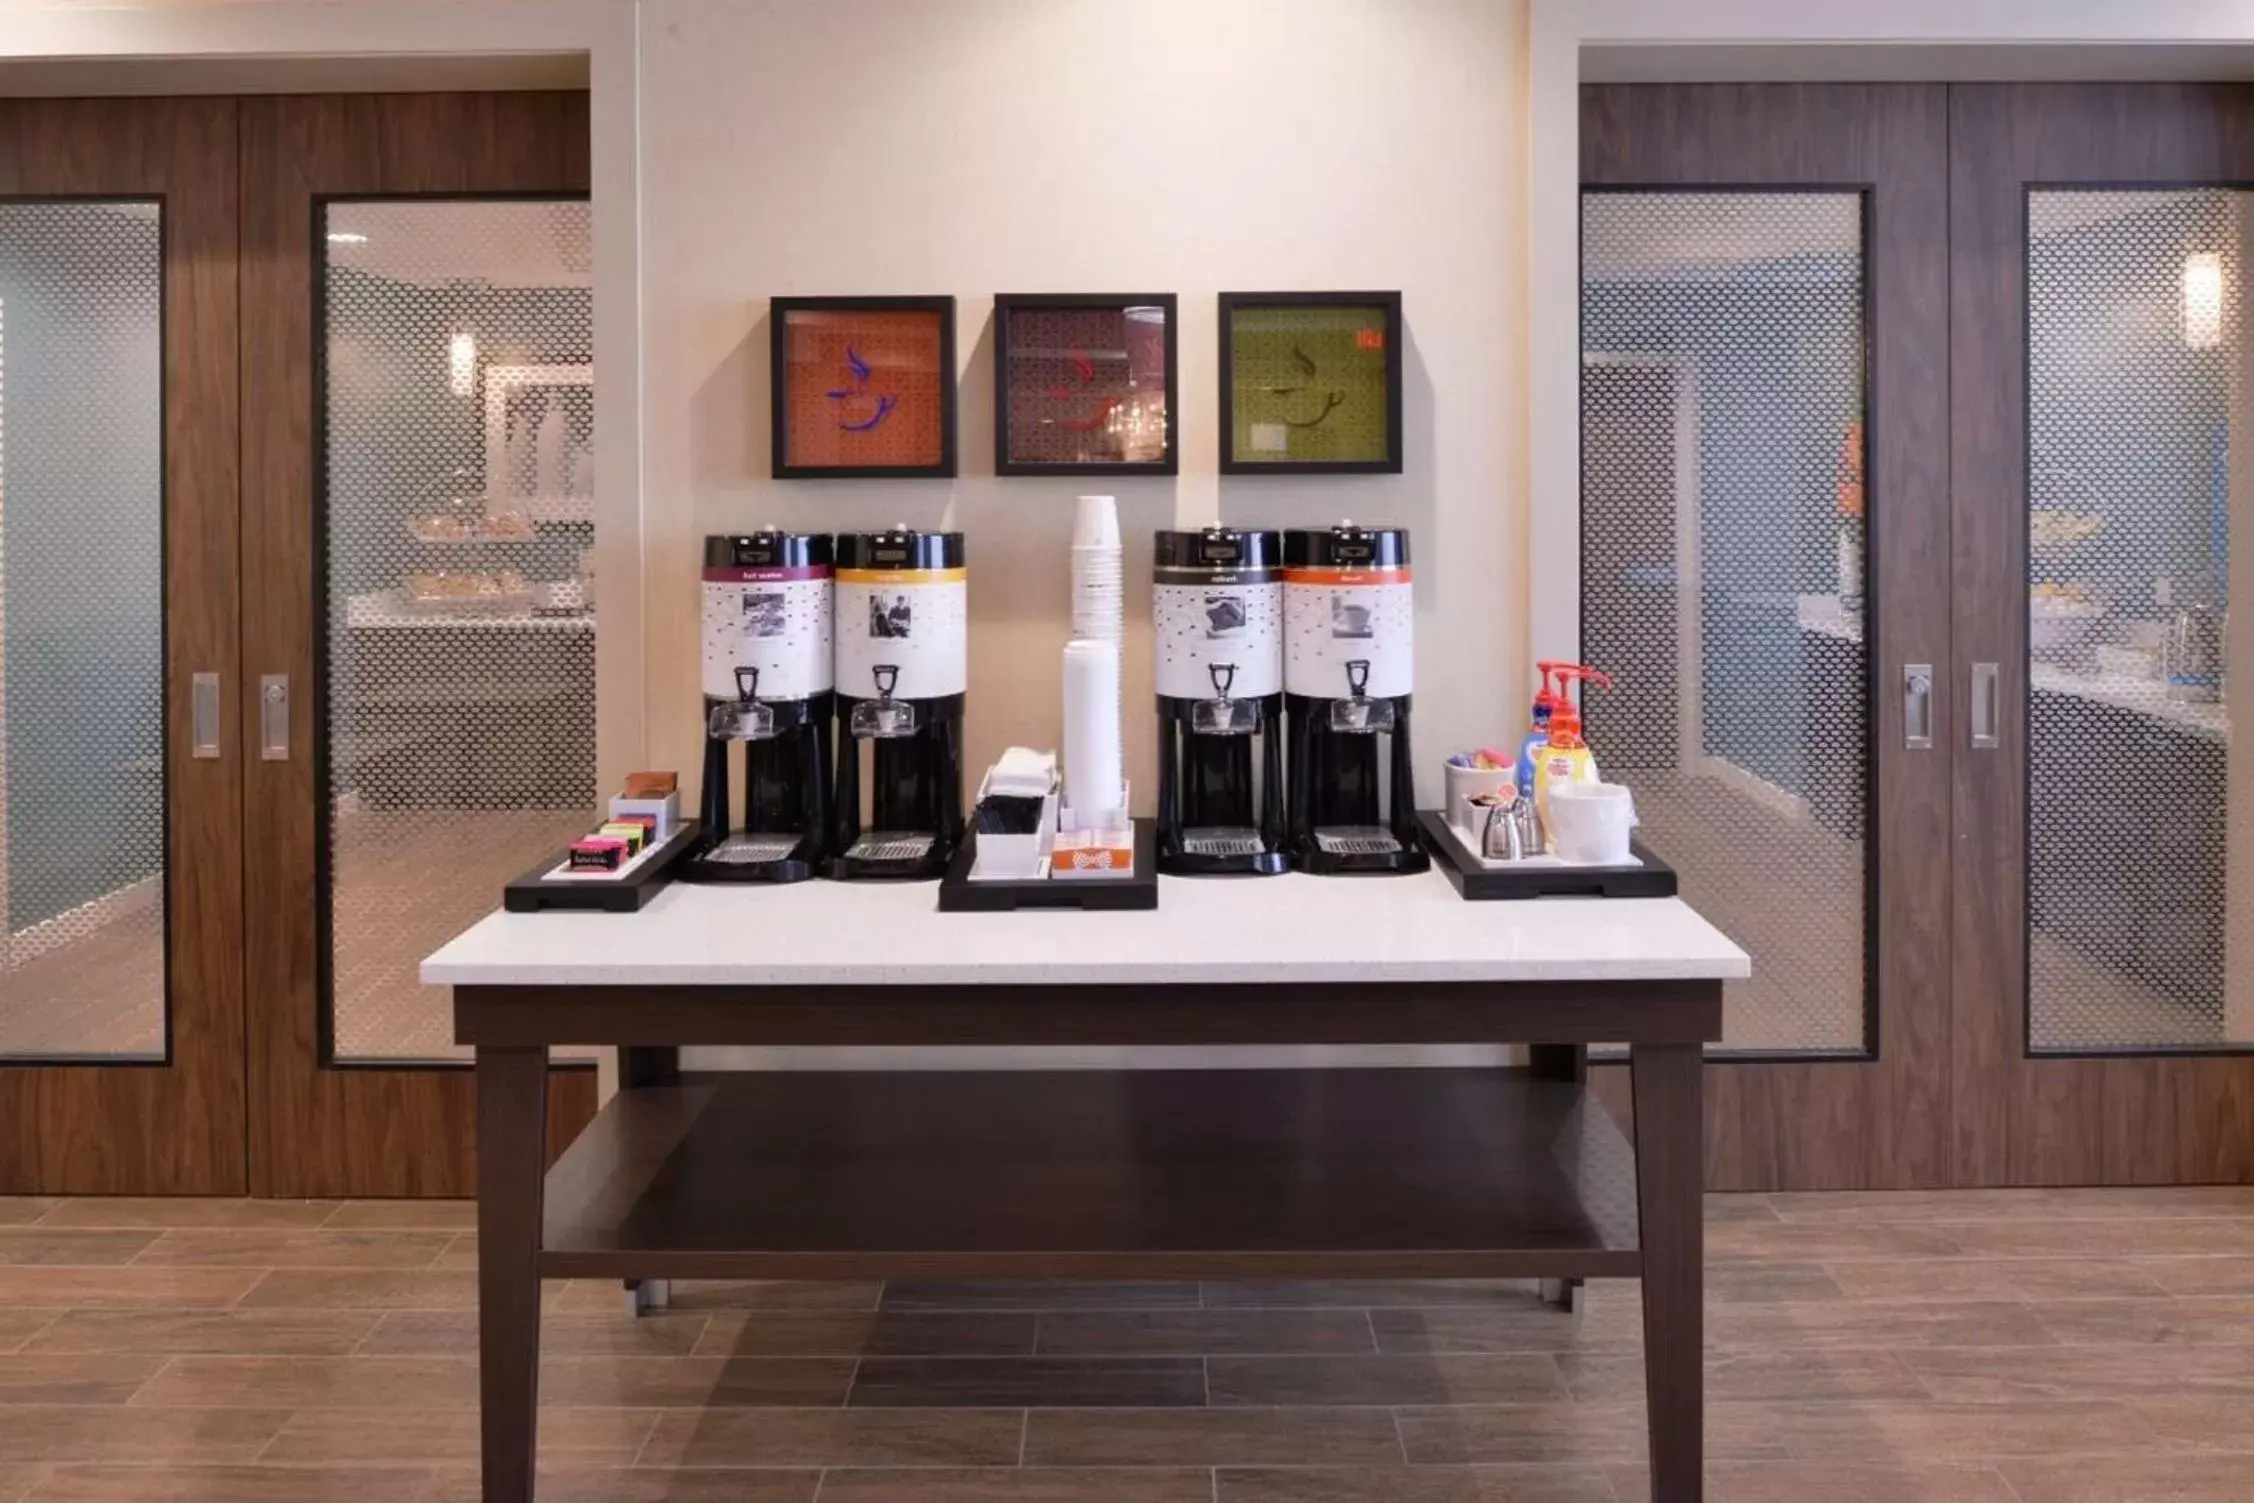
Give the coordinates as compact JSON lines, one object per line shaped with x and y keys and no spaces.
{"x":1311,"y":383}
{"x":864,"y":387}
{"x":1084,"y":384}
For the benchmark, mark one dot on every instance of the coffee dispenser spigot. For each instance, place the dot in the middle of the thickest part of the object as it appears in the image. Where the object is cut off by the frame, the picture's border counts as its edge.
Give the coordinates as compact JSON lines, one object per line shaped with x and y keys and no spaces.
{"x":1224,"y":714}
{"x":883,"y":717}
{"x":744,"y":718}
{"x":1358,"y":714}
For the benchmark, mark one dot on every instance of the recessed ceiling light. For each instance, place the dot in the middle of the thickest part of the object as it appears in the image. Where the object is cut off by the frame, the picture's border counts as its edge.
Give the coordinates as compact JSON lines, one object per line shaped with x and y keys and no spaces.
{"x":347,"y":237}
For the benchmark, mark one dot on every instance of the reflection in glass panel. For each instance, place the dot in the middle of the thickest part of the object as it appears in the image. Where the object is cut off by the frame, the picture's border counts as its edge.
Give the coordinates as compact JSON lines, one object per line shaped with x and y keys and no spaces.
{"x":458,"y":520}
{"x":2140,"y":877}
{"x":82,"y":890}
{"x":1722,"y":575}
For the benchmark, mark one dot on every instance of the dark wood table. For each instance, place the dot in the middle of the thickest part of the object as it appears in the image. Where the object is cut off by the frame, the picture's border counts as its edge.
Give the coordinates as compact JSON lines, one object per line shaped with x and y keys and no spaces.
{"x":1326,"y":1173}
{"x":1126,"y":1174}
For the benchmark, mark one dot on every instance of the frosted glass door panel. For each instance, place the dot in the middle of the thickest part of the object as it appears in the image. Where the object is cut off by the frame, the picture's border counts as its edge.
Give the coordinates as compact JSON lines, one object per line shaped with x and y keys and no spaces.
{"x":2140,"y":395}
{"x":460,"y":714}
{"x":1723,"y":580}
{"x":82,"y":781}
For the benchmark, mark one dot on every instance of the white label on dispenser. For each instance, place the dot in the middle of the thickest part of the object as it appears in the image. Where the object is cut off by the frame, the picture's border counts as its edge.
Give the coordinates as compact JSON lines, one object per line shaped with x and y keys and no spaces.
{"x":776,"y":620}
{"x":913,"y":622}
{"x":1349,"y":628}
{"x":1233,"y":628}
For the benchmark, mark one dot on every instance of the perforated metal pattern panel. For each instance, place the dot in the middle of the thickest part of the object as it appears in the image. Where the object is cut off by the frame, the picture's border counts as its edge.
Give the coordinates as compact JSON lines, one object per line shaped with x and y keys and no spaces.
{"x":2138,"y":904}
{"x":82,"y":791}
{"x":1722,"y":576}
{"x":459,"y":718}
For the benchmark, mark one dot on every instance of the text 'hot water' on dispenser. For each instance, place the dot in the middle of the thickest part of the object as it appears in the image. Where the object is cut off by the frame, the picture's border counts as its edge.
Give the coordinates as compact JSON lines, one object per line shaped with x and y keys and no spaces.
{"x":903,"y":664}
{"x":767,"y":680}
{"x":1217,"y":614}
{"x":1349,"y":667}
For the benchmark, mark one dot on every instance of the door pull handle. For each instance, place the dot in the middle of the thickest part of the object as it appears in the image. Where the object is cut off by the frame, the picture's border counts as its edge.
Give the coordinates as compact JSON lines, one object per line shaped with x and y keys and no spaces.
{"x":203,"y":716}
{"x":1917,"y":706}
{"x":274,"y":718}
{"x":1984,"y":735}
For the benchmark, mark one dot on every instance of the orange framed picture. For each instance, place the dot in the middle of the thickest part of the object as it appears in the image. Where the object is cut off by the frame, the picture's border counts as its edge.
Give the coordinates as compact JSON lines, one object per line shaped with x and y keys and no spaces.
{"x":863,"y":387}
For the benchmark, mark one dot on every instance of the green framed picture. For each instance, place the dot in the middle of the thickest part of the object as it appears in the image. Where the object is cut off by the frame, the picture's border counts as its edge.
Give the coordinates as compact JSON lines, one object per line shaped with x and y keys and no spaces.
{"x":1311,"y":382}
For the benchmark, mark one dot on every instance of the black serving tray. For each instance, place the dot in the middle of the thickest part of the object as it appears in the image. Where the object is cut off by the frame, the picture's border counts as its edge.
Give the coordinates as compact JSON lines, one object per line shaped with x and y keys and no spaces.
{"x":959,"y":894}
{"x":535,"y":891}
{"x":1654,"y":879}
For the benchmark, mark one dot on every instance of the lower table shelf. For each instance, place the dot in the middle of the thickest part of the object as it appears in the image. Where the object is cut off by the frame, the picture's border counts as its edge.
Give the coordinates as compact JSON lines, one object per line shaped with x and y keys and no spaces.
{"x":1098,"y":1174}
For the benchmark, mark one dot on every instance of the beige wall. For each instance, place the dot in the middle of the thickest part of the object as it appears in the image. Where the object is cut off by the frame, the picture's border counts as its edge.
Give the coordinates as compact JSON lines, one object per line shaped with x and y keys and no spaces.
{"x":981,"y":146}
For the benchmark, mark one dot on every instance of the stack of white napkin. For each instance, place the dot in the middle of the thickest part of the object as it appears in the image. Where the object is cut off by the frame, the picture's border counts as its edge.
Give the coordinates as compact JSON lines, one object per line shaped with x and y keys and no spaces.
{"x":1022,"y":772}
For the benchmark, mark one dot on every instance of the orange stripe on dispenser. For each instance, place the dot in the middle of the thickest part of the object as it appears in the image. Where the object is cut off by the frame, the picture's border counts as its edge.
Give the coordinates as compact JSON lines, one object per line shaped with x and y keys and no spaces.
{"x":1340,"y":576}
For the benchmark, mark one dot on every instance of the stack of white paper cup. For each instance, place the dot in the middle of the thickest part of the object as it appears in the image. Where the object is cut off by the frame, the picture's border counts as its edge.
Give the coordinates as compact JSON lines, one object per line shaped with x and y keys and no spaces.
{"x":1094,"y":768}
{"x":1099,"y":583}
{"x":1093,"y":773}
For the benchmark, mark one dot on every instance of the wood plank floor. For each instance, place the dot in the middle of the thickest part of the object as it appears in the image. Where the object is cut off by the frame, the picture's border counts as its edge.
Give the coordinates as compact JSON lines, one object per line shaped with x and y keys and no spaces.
{"x":1979,"y":1347}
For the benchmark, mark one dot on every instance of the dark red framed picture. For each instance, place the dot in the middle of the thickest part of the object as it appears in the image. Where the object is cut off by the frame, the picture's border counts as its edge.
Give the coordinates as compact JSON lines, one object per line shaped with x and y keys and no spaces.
{"x":863,"y":387}
{"x":1084,"y":384}
{"x":1311,"y":383}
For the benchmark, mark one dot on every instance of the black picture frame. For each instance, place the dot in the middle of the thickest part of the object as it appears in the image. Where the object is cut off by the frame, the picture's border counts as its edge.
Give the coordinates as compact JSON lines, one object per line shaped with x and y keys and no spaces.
{"x":779,"y":310}
{"x":1390,"y":304}
{"x":1008,"y":304}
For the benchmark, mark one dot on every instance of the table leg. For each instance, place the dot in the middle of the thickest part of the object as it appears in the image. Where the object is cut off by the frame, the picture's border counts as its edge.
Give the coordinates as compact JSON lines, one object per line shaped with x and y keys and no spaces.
{"x":1670,"y":1129}
{"x":1562,"y":1062}
{"x":512,"y":1132}
{"x":1558,"y":1062}
{"x":641,"y":1067}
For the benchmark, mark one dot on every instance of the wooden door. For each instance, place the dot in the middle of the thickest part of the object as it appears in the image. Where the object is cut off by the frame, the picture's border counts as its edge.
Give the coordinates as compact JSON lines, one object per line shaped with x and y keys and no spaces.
{"x":407,"y":262}
{"x":121,"y":1000}
{"x":1764,"y":297}
{"x":2102,"y":388}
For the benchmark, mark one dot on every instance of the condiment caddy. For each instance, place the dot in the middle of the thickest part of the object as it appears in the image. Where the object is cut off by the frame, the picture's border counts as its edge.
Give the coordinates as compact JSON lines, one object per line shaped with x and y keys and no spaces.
{"x":1482,"y":878}
{"x":1542,"y":823}
{"x":621,"y":864}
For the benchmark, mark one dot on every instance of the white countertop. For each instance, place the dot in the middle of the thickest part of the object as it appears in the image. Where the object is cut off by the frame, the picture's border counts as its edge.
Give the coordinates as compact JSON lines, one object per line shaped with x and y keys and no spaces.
{"x":1823,"y":615}
{"x":1287,"y":928}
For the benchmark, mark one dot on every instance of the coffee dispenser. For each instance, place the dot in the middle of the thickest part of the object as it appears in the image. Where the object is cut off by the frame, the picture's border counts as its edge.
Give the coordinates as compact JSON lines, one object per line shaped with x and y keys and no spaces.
{"x":1349,"y":664}
{"x":903,"y":662}
{"x":1217,"y":615}
{"x":767,"y":679}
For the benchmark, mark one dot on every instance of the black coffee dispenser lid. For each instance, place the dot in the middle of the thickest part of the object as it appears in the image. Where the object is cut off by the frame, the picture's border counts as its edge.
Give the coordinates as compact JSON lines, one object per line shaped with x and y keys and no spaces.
{"x":900,"y":548}
{"x":1216,"y":550}
{"x":1346,"y":546}
{"x":768,"y":548}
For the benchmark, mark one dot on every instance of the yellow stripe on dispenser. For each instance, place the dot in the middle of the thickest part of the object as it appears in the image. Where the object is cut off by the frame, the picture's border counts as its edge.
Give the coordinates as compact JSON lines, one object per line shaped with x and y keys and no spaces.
{"x":902,"y":576}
